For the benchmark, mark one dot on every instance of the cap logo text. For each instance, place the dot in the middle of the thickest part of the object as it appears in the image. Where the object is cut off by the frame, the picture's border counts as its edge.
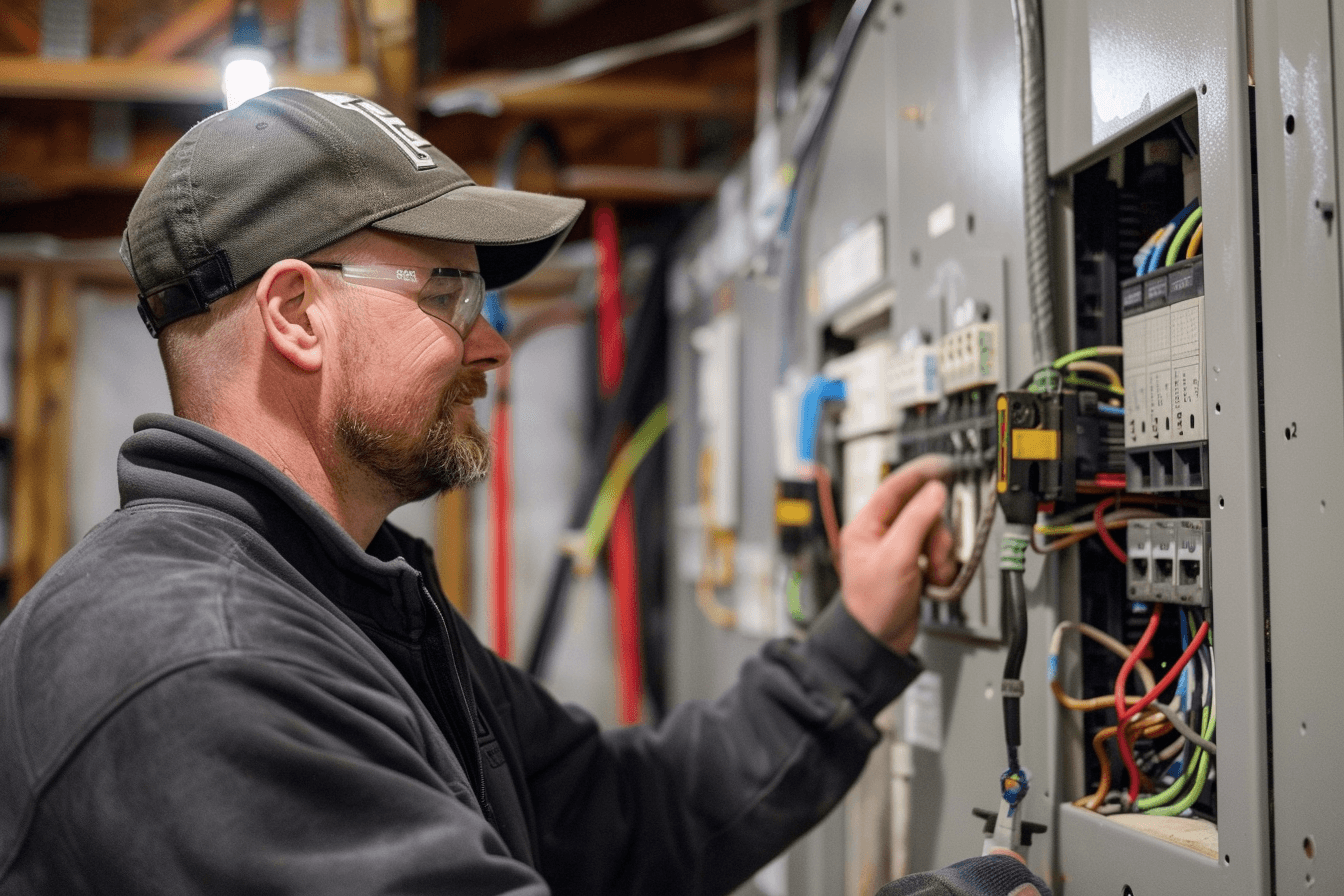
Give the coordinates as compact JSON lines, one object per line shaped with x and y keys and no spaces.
{"x":407,"y":275}
{"x":407,"y":140}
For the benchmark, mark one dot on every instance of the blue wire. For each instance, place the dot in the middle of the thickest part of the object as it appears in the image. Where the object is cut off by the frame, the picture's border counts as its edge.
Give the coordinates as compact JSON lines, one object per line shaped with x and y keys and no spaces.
{"x":1110,"y":410}
{"x":819,"y":390}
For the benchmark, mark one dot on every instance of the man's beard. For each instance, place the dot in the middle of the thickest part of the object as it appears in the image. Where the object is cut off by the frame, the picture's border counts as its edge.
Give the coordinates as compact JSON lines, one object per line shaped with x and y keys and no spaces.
{"x":417,"y":462}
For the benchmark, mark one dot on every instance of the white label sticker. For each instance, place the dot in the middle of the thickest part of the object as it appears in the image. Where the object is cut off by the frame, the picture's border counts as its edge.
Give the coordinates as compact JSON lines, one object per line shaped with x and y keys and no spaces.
{"x":942,"y":219}
{"x":852,"y":267}
{"x":924,"y":712}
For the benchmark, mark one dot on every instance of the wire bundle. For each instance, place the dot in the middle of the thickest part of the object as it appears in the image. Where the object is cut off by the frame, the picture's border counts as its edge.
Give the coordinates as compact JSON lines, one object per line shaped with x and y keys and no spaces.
{"x":1164,"y":247}
{"x":1191,"y":714}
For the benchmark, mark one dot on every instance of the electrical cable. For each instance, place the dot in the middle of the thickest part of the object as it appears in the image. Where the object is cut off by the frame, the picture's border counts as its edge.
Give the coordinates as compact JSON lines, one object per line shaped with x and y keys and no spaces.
{"x":622,"y":469}
{"x":988,"y":506}
{"x":643,"y":386}
{"x":1035,"y":176}
{"x":1086,"y":383}
{"x":1155,"y":805}
{"x":830,"y":521}
{"x":1107,"y":410}
{"x":1196,"y":240}
{"x":501,"y":518}
{"x":1105,"y":370}
{"x":1129,"y":711}
{"x":1012,"y":566}
{"x":1171,"y":712}
{"x":1174,"y":251}
{"x":1155,"y":258}
{"x":1123,"y":713}
{"x":1099,"y":519}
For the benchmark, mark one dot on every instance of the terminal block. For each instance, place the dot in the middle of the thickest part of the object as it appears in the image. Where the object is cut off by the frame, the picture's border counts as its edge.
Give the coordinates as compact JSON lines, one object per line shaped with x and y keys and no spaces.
{"x":912,"y":377}
{"x":1166,"y":419}
{"x":1169,"y":561}
{"x":969,"y":357}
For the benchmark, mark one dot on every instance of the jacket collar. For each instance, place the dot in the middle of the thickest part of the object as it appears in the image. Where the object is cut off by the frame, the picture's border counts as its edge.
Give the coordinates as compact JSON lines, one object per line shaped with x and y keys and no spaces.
{"x":171,"y":459}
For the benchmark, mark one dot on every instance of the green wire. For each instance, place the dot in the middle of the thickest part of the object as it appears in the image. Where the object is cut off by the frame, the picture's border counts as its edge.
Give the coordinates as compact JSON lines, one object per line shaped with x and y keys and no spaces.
{"x":1074,"y":379}
{"x":1081,"y":354}
{"x":1183,"y":234}
{"x":1199,"y":763}
{"x":618,"y":477}
{"x":794,"y":592}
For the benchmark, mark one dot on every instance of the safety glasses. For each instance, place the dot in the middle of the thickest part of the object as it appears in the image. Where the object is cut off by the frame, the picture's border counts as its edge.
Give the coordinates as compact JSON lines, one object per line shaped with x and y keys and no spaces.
{"x":452,"y":296}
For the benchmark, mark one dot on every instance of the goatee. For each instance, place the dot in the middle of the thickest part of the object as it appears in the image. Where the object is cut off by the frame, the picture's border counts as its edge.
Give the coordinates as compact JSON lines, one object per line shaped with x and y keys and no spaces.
{"x":439,"y":456}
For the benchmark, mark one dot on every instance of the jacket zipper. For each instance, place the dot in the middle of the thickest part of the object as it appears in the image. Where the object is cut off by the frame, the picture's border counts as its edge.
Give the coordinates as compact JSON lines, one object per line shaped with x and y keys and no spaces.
{"x":467,"y":702}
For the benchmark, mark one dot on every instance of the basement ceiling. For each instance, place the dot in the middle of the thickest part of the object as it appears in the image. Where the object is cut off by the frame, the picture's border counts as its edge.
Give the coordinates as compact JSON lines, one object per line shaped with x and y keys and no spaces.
{"x":92,"y":92}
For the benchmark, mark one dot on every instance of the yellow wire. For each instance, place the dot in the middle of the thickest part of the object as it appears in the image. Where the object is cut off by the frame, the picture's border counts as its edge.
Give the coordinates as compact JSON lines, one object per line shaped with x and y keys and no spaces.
{"x":1195,"y":241}
{"x":1097,"y":367}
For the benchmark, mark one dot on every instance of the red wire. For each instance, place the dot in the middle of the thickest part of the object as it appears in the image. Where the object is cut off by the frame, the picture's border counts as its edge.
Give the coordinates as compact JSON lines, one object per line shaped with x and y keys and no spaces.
{"x":1130,"y":711}
{"x":1111,"y":480}
{"x":621,"y":556}
{"x":610,"y":334}
{"x":625,"y":612}
{"x":1098,"y":518}
{"x":501,"y":512}
{"x":1123,"y":713}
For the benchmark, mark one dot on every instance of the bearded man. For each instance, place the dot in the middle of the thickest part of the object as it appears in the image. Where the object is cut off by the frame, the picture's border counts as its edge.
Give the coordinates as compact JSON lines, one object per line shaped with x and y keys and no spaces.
{"x":247,"y":681}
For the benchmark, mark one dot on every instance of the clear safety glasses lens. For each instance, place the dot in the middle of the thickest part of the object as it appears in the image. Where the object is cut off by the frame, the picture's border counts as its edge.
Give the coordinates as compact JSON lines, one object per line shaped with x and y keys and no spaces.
{"x":447,"y":294}
{"x":454,"y":297}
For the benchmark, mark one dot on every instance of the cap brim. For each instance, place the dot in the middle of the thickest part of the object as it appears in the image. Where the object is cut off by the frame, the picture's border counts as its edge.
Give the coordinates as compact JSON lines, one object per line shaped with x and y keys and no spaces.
{"x":513,"y":231}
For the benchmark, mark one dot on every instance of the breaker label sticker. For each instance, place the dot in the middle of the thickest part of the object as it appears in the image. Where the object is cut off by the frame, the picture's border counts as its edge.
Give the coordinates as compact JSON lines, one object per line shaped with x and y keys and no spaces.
{"x":923,"y":722}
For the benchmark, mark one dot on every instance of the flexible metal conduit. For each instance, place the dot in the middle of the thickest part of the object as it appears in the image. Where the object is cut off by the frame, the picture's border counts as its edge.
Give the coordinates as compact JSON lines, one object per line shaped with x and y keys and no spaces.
{"x":1035,"y":179}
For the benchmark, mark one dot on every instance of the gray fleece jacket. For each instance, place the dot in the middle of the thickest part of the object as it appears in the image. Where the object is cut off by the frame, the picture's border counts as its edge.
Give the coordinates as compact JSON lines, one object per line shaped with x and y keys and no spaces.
{"x":218,"y":691}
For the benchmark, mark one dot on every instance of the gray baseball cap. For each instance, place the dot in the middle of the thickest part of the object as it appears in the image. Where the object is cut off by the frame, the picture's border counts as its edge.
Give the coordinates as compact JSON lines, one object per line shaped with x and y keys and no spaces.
{"x":291,"y":171}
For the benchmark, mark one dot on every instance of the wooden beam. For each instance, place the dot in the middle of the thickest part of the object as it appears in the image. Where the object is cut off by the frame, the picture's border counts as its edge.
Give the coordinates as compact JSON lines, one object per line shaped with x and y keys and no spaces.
{"x":452,"y":548}
{"x":41,"y":481}
{"x":626,"y":184}
{"x":20,"y":30}
{"x":183,"y":30}
{"x":393,"y":24}
{"x":152,"y":82}
{"x":614,"y":95}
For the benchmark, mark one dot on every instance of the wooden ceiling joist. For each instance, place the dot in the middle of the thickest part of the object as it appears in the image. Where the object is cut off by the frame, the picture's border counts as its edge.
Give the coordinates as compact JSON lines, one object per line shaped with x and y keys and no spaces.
{"x":150,"y":81}
{"x":616,"y":95}
{"x":20,"y":30}
{"x":183,"y":30}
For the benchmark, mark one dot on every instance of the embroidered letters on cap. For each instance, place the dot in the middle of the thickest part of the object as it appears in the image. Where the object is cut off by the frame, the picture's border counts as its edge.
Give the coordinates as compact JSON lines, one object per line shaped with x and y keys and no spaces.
{"x":396,"y":130}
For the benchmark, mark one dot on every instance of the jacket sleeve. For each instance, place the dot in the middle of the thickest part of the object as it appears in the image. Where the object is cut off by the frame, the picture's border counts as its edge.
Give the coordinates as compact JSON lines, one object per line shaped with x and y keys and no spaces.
{"x":698,"y":804}
{"x":241,"y":774}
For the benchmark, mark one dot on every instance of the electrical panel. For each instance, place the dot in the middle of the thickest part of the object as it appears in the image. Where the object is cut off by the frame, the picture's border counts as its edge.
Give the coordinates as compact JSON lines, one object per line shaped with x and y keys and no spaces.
{"x":1149,"y":451}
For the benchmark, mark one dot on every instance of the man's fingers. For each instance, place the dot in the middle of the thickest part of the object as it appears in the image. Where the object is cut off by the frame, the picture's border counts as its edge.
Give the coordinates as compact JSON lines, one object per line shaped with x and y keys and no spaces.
{"x":876,"y":515}
{"x":938,"y":548}
{"x":907,"y":536}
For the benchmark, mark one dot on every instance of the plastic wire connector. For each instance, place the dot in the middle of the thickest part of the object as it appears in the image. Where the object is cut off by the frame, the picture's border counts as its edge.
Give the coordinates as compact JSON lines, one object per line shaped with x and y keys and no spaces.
{"x":1051,"y":667}
{"x":1014,"y":784}
{"x":819,"y":390}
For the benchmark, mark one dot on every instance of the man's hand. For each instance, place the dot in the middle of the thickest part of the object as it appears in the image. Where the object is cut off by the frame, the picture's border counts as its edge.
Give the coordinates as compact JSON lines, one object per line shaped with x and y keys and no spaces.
{"x":880,"y":547}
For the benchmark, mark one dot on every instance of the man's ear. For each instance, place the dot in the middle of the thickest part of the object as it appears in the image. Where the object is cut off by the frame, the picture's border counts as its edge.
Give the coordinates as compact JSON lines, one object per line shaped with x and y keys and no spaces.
{"x":287,"y":299}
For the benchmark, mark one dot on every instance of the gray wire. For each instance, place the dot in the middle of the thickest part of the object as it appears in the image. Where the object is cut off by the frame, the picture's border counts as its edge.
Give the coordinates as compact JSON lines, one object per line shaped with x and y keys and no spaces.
{"x":1035,"y":175}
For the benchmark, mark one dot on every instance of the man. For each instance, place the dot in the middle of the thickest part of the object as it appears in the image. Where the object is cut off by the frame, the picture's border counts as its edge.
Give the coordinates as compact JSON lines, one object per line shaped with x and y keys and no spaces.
{"x":246,"y":681}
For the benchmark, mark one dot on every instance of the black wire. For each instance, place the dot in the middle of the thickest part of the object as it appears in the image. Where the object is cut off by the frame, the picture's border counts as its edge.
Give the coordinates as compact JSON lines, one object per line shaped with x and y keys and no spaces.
{"x":1014,"y":594}
{"x":1182,"y":135}
{"x":643,"y":387}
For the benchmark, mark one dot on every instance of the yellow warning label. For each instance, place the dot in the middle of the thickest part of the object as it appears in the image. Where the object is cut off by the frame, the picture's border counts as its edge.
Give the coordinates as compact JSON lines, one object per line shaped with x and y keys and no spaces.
{"x":1035,"y":444}
{"x":793,"y":512}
